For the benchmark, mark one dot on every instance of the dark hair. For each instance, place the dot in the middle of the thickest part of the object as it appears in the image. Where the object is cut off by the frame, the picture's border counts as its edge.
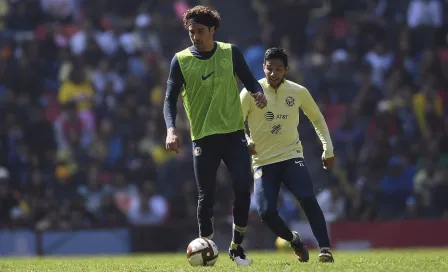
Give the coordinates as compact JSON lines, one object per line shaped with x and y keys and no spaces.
{"x":202,"y":14}
{"x":276,"y":53}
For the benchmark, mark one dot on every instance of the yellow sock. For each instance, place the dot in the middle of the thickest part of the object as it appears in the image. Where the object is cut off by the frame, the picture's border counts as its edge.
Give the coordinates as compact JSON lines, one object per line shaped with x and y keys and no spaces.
{"x":233,"y":245}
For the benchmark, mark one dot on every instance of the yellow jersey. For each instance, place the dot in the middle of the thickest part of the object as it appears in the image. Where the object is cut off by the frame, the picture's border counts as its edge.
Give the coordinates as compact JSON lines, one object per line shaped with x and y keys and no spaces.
{"x":274,"y":129}
{"x":81,"y":93}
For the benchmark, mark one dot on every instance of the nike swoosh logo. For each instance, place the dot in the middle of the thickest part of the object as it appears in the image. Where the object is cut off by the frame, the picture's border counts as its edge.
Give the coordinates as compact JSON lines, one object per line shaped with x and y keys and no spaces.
{"x":207,"y":76}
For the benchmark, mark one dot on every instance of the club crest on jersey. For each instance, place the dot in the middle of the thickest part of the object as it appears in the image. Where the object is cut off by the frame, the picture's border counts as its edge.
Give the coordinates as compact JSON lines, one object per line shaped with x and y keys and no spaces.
{"x":290,"y":101}
{"x":258,"y":174}
{"x":197,"y":151}
{"x":225,"y":63}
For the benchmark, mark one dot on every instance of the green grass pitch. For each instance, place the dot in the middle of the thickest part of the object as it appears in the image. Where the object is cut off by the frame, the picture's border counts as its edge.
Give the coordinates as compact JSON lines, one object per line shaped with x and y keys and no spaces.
{"x":372,"y":260}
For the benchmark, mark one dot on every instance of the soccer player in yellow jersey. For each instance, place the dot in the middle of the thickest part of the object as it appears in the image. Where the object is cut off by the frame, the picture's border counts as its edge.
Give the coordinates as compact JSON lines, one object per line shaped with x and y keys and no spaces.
{"x":277,"y":154}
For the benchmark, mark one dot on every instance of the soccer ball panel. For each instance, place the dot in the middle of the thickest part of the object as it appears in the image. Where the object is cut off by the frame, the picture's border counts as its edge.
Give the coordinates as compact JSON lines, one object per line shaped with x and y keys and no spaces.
{"x":202,"y":252}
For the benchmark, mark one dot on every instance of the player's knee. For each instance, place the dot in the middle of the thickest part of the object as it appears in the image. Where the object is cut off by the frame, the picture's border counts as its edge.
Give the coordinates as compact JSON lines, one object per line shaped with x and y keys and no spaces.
{"x":242,"y":192}
{"x":242,"y":202}
{"x":243,"y":185}
{"x":310,"y":203}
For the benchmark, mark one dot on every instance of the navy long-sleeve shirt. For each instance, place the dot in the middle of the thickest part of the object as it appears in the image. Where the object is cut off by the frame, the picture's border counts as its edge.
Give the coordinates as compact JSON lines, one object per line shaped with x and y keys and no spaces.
{"x":176,"y":80}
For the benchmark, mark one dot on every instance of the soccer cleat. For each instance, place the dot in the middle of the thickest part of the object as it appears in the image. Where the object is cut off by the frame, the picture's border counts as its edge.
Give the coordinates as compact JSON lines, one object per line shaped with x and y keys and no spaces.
{"x":301,"y":251}
{"x":325,"y":256}
{"x":238,"y":255}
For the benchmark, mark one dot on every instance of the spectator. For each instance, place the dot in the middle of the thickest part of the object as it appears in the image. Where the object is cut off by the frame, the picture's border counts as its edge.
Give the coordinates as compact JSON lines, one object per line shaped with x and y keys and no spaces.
{"x":348,"y":138}
{"x":332,"y":203}
{"x":41,"y":135}
{"x":395,"y":189}
{"x":123,"y":191}
{"x":59,"y":10}
{"x":93,"y":192}
{"x":380,"y":60}
{"x":105,"y":74}
{"x":70,"y":126}
{"x":148,"y":207}
{"x":109,"y":142}
{"x":440,"y":192}
{"x":82,"y":87}
{"x":424,"y":183}
{"x":85,"y":40}
{"x":6,"y":197}
{"x":425,"y":12}
{"x":364,"y":203}
{"x":254,"y":56}
{"x":79,"y":91}
{"x":111,"y":215}
{"x":427,"y":105}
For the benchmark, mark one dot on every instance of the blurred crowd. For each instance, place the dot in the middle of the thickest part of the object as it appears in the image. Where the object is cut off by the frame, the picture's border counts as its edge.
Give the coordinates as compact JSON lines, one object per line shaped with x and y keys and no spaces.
{"x":82,"y":87}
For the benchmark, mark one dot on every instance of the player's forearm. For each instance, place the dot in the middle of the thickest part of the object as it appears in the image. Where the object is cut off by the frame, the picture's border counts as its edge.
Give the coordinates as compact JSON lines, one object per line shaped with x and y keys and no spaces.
{"x":253,"y":86}
{"x":169,"y":107}
{"x":174,"y":86}
{"x":243,"y":72}
{"x":324,"y":135}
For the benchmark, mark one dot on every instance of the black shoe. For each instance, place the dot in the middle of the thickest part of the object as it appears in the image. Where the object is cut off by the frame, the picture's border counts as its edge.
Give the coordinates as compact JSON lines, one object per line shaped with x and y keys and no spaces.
{"x":325,"y":256}
{"x":301,"y":251}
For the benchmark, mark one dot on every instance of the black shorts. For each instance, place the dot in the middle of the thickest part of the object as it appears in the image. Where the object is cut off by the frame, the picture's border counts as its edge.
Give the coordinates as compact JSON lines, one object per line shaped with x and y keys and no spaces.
{"x":231,"y":148}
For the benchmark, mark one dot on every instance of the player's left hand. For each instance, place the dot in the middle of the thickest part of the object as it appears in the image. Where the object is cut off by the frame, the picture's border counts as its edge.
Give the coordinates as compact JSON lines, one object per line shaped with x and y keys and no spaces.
{"x":328,"y":162}
{"x":260,"y":100}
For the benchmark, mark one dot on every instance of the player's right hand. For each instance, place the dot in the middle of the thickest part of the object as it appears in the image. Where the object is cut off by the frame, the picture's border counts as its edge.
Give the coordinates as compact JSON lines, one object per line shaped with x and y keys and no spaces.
{"x":251,"y":147}
{"x":328,"y":162}
{"x":260,"y":100}
{"x":172,"y":142}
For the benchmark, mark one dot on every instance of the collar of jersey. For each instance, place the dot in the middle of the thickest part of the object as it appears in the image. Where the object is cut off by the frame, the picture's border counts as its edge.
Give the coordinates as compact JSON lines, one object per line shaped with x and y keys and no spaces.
{"x":269,"y":88}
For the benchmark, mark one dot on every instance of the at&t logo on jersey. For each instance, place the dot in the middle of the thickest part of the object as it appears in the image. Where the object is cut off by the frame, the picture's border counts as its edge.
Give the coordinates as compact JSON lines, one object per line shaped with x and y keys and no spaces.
{"x":269,"y":116}
{"x":282,"y":116}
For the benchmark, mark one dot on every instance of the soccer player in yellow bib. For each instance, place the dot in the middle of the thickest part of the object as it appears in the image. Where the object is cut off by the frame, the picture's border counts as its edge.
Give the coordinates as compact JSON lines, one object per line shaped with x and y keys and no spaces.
{"x":204,"y":74}
{"x":277,"y":154}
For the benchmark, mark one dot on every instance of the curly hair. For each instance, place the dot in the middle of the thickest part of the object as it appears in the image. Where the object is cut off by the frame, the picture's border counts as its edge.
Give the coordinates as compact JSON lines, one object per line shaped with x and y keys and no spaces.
{"x":202,"y":14}
{"x":276,"y":53}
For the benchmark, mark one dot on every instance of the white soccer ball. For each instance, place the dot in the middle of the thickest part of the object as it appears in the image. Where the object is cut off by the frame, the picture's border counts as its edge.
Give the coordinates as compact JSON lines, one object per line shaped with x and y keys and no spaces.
{"x":202,"y":252}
